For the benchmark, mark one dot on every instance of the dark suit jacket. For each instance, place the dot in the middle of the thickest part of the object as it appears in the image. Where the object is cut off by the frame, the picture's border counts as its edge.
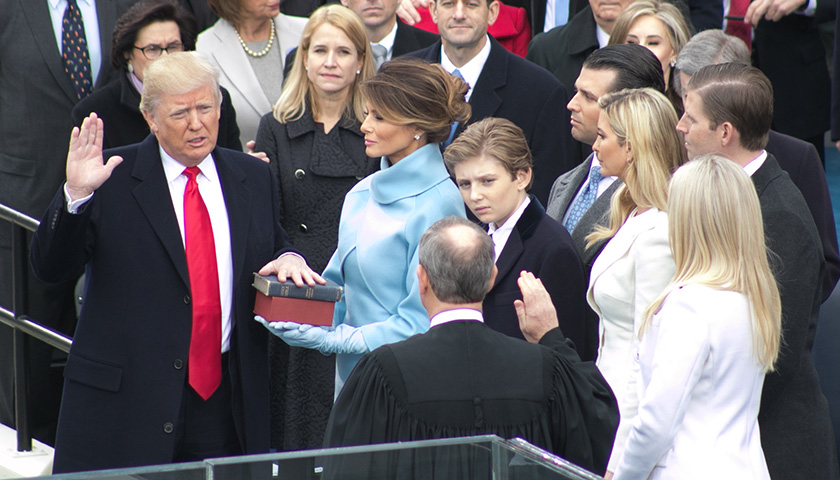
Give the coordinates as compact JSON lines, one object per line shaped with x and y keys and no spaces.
{"x":563,"y":192}
{"x":542,"y":246}
{"x":512,"y":88}
{"x":126,"y":371}
{"x":563,"y":49}
{"x":462,"y":378}
{"x":118,"y":105}
{"x":802,"y":163}
{"x":791,"y":53}
{"x":796,"y":433}
{"x":36,"y":98}
{"x":409,"y":39}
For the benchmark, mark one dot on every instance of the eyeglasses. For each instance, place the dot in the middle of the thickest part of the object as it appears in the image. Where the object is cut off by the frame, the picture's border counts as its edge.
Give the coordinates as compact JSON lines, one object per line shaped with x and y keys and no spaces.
{"x":152,"y":52}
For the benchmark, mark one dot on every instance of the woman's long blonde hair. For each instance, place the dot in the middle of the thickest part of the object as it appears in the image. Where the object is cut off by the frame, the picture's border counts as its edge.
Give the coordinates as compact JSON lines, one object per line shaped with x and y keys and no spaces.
{"x":717,"y":240}
{"x":297,"y":88}
{"x":646,"y":120}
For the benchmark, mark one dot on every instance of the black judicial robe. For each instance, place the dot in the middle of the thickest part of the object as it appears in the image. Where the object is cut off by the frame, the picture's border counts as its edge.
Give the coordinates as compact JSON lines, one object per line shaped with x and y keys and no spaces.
{"x":463,"y":378}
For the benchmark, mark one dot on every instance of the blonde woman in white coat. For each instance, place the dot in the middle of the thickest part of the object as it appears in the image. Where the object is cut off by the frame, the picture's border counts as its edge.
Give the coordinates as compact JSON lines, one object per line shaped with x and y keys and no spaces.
{"x":637,"y":142}
{"x":249,"y":44}
{"x":709,"y":338}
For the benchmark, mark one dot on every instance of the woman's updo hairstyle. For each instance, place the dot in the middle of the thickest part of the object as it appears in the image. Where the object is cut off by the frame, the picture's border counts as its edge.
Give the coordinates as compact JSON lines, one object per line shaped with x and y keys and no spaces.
{"x":412,"y":92}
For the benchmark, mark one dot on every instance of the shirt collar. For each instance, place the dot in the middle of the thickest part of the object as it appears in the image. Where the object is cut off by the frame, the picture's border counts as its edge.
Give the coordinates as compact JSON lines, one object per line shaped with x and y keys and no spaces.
{"x":602,"y":36}
{"x":472,"y":69}
{"x":173,"y":168}
{"x":507,"y":227}
{"x":455,"y":315}
{"x":388,"y":40}
{"x":756,"y":163}
{"x":55,"y":3}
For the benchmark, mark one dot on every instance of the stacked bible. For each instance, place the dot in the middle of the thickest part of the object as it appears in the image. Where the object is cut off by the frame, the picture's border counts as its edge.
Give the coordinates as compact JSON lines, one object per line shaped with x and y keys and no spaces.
{"x":285,"y":302}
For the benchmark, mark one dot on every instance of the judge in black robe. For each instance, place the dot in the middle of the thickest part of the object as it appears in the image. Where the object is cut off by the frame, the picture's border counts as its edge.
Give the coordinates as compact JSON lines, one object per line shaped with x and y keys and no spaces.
{"x":462,"y":378}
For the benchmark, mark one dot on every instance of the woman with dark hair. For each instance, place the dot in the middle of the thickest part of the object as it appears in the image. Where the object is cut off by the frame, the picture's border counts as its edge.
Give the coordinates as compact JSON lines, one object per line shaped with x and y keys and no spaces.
{"x":316,"y":149}
{"x":493,"y":169}
{"x":149,"y":29}
{"x":410,"y":107}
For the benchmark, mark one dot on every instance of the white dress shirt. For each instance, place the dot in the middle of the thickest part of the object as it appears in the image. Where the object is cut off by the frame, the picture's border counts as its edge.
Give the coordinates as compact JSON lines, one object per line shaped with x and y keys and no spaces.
{"x":211,"y":192}
{"x":471,"y":70}
{"x":501,"y":234}
{"x":388,"y":42}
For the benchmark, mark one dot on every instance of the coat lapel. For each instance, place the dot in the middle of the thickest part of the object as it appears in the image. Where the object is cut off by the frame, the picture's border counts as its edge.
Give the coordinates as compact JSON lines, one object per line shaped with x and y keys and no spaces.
{"x":620,"y":244}
{"x":234,"y":63}
{"x":106,"y":13}
{"x":152,"y":195}
{"x":237,"y":198}
{"x":38,"y":16}
{"x":484,"y":100}
{"x":515,"y":246}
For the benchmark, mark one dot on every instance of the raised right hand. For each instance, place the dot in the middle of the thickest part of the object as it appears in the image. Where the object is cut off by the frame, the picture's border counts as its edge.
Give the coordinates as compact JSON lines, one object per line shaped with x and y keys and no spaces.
{"x":86,"y":170}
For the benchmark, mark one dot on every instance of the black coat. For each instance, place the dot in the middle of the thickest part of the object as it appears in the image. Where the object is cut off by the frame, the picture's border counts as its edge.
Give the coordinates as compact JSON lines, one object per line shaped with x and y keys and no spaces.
{"x":314,"y":171}
{"x":802,"y":163}
{"x":118,"y":105}
{"x":126,"y":371}
{"x":513,"y":88}
{"x":796,"y":433}
{"x":542,"y":246}
{"x":462,"y":378}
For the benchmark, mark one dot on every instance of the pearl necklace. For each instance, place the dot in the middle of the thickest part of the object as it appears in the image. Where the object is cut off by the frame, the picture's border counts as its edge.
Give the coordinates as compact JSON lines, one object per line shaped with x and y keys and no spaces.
{"x":262,"y":52}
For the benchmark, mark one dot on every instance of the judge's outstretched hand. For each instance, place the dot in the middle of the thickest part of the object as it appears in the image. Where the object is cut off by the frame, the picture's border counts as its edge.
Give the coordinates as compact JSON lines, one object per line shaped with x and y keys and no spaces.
{"x":86,"y":170}
{"x":535,"y":311}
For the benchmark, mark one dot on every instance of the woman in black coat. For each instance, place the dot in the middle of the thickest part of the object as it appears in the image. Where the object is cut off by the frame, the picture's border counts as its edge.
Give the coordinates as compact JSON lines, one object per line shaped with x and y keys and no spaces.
{"x":492,"y":166}
{"x":315,"y":147}
{"x":146,"y":31}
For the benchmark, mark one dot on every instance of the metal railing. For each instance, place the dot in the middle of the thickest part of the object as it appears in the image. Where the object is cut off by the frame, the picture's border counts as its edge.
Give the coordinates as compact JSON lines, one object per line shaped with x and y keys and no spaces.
{"x":23,"y":326}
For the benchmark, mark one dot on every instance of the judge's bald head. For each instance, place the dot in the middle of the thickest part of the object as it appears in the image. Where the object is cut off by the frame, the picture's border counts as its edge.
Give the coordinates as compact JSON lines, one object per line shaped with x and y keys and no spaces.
{"x":458,"y":258}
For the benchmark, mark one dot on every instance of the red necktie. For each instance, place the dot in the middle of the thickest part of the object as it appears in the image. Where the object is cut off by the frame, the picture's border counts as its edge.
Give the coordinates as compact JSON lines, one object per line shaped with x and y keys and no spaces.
{"x":205,"y":361}
{"x":738,"y":8}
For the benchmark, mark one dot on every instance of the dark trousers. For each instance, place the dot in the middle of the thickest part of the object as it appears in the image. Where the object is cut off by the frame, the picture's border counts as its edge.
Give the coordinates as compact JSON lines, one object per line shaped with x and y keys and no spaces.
{"x":205,"y":427}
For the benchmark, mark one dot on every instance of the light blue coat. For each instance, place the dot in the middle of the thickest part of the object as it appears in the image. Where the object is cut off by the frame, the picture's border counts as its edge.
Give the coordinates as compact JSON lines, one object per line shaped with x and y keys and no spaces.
{"x":376,"y":260}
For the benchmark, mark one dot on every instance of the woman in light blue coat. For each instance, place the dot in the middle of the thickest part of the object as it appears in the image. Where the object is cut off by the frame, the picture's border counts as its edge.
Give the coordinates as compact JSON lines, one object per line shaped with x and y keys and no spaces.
{"x":411,"y":106}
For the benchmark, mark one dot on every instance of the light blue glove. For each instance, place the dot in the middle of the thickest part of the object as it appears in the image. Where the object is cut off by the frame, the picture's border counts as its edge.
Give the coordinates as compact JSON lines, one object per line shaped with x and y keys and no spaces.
{"x":341,"y":339}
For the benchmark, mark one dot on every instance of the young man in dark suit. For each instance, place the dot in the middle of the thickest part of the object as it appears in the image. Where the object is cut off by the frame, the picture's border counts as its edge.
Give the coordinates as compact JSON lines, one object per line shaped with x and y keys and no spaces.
{"x":166,"y":362}
{"x":503,"y":85}
{"x":796,"y":157}
{"x":728,"y":111}
{"x":607,"y":70}
{"x":463,"y":378}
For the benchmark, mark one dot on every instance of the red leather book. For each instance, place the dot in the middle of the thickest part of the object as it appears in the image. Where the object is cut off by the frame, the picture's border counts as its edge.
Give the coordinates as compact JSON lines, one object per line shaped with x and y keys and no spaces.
{"x":300,"y":310}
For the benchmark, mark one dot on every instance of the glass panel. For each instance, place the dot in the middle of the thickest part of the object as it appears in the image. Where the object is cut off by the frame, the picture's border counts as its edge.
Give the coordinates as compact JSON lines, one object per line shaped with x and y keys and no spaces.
{"x":481,"y":458}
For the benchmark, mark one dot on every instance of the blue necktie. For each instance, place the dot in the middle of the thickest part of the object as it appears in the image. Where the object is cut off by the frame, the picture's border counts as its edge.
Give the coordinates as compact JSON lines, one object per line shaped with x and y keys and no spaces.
{"x":455,"y":73}
{"x":585,"y":199}
{"x":74,"y":50}
{"x":561,"y":12}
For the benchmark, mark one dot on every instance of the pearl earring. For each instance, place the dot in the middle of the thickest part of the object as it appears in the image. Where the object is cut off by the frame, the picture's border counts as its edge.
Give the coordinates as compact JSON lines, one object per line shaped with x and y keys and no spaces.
{"x":358,"y":72}
{"x":673,"y":62}
{"x":417,"y":136}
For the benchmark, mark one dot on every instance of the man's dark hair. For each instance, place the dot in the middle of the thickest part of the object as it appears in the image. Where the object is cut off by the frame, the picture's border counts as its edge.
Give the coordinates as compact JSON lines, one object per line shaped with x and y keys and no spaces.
{"x":635,"y":66}
{"x":458,"y":258}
